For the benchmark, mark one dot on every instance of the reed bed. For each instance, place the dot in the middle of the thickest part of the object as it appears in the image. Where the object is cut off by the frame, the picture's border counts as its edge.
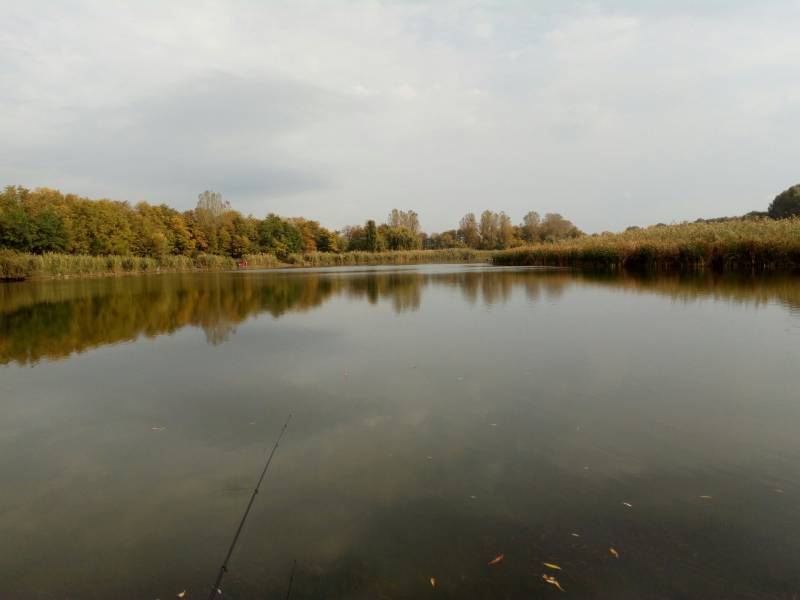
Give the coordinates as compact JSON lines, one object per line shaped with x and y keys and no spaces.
{"x":16,"y":266}
{"x":743,"y":245}
{"x":395,"y":257}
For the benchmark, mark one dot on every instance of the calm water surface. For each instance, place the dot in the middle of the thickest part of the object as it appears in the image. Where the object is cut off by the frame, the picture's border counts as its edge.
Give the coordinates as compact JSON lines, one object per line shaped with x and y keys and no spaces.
{"x":443,"y":415}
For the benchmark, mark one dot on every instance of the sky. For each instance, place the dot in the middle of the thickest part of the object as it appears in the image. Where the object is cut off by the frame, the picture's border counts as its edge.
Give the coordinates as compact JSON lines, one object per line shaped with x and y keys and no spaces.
{"x":611,"y":113}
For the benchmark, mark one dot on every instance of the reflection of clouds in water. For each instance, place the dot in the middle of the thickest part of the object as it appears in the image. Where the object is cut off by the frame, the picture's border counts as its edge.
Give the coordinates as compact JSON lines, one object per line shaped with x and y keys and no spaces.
{"x":429,"y":455}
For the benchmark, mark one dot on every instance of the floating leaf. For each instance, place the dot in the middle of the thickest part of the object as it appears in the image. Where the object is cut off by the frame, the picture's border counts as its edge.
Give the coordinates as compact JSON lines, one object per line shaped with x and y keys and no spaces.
{"x":552,"y":566}
{"x":552,"y":581}
{"x":433,"y":582}
{"x":573,"y":534}
{"x":613,"y":552}
{"x":497,"y":559}
{"x":706,"y":497}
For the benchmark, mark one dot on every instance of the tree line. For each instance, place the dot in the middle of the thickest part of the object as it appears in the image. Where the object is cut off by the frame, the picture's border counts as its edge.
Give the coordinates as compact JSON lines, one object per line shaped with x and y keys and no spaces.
{"x":45,"y":220}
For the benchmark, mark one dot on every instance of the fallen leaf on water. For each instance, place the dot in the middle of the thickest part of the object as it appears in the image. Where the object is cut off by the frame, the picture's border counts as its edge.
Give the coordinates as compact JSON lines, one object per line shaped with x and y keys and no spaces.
{"x":552,"y":566}
{"x":573,"y":534}
{"x":182,"y":594}
{"x":158,"y":428}
{"x":433,"y":582}
{"x":552,"y":581}
{"x":706,"y":497}
{"x":628,"y":504}
{"x":497,"y":559}
{"x":613,"y":552}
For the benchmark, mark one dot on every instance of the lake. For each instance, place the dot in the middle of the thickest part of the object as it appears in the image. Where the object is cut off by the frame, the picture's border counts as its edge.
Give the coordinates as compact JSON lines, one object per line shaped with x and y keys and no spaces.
{"x":443,"y":416}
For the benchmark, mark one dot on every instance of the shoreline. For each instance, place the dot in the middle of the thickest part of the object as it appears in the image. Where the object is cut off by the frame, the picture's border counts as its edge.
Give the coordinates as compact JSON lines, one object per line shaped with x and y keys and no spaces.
{"x":18,"y":267}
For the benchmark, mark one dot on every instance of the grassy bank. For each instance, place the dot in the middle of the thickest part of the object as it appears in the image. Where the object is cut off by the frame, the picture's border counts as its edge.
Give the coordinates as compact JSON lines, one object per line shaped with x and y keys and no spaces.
{"x":760,"y":244}
{"x":18,"y":266}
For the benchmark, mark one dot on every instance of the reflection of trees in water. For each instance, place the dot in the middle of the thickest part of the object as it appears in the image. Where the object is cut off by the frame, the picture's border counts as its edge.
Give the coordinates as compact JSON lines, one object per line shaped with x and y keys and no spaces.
{"x":403,"y":289}
{"x":497,"y":286}
{"x":219,"y":332}
{"x":56,"y":318}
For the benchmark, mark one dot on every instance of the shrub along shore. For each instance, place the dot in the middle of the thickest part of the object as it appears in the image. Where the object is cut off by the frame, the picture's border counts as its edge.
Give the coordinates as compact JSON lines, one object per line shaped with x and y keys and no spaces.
{"x":20,"y":266}
{"x":733,"y":245}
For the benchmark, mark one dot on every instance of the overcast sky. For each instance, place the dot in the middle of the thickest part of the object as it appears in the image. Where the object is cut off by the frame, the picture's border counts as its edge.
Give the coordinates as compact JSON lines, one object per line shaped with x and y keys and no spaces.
{"x":611,"y":113}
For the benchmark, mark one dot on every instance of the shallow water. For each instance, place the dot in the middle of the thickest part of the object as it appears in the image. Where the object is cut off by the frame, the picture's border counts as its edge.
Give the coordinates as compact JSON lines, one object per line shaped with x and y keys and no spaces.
{"x":443,"y":415}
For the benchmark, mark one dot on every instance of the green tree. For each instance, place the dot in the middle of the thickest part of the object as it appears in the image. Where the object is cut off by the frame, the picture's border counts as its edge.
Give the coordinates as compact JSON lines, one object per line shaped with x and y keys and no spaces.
{"x":49,"y":233}
{"x":786,"y":204}
{"x":399,"y":238}
{"x":372,"y":239}
{"x":279,"y":237}
{"x":327,"y":241}
{"x":16,"y":231}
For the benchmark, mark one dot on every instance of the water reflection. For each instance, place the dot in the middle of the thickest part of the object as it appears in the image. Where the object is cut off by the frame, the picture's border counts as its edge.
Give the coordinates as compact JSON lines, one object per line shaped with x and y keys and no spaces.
{"x":442,"y":416}
{"x":54,"y":319}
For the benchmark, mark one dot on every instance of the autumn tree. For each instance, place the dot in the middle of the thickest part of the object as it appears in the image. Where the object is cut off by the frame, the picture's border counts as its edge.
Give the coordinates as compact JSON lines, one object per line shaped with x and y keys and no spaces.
{"x":212,"y":204}
{"x":489,"y":230}
{"x":529,"y":229}
{"x":506,"y":235}
{"x":554,"y":227}
{"x":468,"y":232}
{"x":404,"y":219}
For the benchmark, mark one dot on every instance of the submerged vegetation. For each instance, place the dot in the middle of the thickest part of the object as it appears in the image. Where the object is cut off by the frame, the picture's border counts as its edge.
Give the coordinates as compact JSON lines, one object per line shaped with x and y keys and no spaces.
{"x":741,"y":244}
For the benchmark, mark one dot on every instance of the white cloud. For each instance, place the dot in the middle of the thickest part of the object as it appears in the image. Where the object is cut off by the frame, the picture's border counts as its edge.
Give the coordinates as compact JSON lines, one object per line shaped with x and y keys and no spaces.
{"x":341,"y":111}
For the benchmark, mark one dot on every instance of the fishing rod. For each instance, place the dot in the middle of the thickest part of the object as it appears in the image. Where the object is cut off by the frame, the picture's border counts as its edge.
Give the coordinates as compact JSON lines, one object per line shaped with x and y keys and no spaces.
{"x":291,"y":579}
{"x":217,"y":588}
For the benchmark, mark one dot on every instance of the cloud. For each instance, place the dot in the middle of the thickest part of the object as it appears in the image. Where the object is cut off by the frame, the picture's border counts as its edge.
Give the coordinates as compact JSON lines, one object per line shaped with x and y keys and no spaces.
{"x":342,"y":111}
{"x":215,"y":131}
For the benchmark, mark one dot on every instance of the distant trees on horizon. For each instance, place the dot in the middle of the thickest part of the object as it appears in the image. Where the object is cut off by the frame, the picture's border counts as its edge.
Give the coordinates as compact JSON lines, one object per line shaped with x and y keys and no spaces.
{"x":45,"y":220}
